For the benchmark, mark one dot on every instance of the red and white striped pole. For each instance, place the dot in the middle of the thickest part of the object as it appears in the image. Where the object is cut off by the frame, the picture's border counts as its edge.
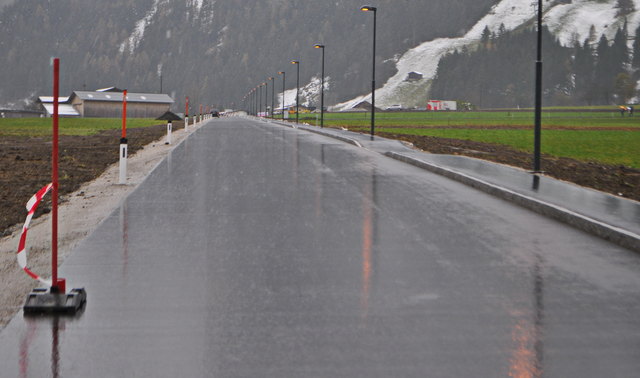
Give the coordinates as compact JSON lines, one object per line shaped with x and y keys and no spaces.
{"x":57,"y":284}
{"x":56,"y":299}
{"x":200,"y":113}
{"x":123,"y":142}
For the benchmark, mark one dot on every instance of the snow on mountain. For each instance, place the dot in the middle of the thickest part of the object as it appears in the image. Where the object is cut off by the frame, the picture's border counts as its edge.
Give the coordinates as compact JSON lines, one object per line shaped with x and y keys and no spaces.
{"x":138,"y":32}
{"x":309,"y":94}
{"x":572,"y":22}
{"x":569,"y":22}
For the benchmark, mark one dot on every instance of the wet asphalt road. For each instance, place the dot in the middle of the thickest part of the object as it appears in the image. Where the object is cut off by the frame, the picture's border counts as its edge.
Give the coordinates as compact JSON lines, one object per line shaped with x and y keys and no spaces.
{"x":257,"y":250}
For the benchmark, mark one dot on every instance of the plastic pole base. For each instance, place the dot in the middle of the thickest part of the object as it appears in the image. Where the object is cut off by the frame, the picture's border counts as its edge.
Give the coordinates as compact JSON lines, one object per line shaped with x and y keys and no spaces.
{"x":43,"y":301}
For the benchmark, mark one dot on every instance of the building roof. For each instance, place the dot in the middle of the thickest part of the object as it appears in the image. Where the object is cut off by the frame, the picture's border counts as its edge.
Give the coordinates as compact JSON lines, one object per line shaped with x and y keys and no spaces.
{"x":157,"y":98}
{"x":110,"y":89}
{"x":63,"y":109}
{"x":49,"y":99}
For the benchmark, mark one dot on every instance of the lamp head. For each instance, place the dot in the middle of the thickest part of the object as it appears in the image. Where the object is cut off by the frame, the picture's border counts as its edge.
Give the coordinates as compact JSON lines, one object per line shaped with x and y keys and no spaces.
{"x":280,"y":72}
{"x":368,"y":8}
{"x":295,"y":62}
{"x":318,"y":46}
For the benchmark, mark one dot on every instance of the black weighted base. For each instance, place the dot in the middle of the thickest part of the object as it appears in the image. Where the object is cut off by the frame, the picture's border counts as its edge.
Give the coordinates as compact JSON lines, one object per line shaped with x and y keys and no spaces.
{"x":43,"y":301}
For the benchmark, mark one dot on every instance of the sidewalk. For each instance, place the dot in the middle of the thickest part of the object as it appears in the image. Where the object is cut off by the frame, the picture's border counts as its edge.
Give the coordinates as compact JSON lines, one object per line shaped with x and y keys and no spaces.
{"x":612,"y":218}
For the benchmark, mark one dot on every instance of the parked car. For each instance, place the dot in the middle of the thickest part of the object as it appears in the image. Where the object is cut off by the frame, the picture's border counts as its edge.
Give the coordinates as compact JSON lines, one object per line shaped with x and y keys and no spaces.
{"x":395,"y":107}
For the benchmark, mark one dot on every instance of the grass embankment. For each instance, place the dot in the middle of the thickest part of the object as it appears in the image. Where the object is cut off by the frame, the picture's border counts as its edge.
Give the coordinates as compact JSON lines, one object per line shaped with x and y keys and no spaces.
{"x":608,"y":138}
{"x":67,"y":126}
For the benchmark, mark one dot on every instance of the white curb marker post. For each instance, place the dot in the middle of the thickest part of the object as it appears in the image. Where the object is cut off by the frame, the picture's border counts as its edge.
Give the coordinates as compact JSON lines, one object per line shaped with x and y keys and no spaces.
{"x":123,"y":142}
{"x":169,"y":129}
{"x":186,"y":115}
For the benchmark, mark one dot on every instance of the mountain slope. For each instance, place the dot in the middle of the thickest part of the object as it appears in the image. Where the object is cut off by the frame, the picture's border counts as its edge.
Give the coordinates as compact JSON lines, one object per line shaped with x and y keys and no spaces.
{"x":569,"y":22}
{"x":213,"y":51}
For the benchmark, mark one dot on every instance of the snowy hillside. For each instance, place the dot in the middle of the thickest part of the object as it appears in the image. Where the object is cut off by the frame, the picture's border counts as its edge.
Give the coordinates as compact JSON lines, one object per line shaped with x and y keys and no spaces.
{"x":568,"y":22}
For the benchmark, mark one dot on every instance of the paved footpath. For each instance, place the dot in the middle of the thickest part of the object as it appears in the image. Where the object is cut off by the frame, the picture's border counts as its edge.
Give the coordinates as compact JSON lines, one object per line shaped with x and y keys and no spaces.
{"x":258,"y":250}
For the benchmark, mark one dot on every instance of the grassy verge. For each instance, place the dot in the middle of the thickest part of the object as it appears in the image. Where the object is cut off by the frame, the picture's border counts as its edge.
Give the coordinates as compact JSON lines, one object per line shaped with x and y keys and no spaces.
{"x":607,"y":138}
{"x":579,"y":119}
{"x":68,"y":126}
{"x":608,"y":147}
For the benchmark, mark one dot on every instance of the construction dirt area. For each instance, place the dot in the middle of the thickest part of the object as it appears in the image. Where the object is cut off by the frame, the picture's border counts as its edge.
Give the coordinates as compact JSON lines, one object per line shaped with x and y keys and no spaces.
{"x":89,"y":192}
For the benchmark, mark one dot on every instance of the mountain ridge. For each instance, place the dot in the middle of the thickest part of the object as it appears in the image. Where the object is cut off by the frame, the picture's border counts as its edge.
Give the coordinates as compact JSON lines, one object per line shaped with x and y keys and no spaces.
{"x":217,"y":51}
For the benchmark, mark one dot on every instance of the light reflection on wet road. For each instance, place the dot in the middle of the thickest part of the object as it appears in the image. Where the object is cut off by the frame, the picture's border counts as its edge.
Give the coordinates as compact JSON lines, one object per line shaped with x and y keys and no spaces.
{"x":258,"y":250}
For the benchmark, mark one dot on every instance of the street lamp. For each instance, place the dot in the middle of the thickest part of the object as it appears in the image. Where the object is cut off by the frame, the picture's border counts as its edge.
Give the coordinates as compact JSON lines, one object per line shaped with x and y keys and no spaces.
{"x":317,"y":46}
{"x":266,"y":98}
{"x":255,"y":101}
{"x":368,"y":8}
{"x":538,"y":101}
{"x":283,"y":78}
{"x":273,"y":93}
{"x":297,"y":63}
{"x":259,"y":87}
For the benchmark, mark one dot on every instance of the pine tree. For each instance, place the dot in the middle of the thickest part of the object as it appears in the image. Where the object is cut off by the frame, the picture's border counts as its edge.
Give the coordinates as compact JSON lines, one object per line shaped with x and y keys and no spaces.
{"x":583,"y":69}
{"x":624,"y":7}
{"x":486,"y":37}
{"x":605,"y":71}
{"x":635,"y":62}
{"x":619,"y":50}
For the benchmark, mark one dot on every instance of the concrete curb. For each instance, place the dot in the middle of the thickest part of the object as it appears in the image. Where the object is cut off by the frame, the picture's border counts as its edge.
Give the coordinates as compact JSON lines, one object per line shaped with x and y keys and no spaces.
{"x":608,"y":232}
{"x":320,"y":132}
{"x":339,"y":137}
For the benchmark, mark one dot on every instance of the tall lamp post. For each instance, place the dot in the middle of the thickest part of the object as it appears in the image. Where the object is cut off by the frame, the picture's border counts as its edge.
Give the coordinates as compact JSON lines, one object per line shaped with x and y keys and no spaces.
{"x":297,"y":63}
{"x":255,"y":102}
{"x":266,"y":99}
{"x":260,"y":100}
{"x":317,"y":46}
{"x":538,"y":101}
{"x":273,"y":93}
{"x":283,"y":78}
{"x":368,"y":8}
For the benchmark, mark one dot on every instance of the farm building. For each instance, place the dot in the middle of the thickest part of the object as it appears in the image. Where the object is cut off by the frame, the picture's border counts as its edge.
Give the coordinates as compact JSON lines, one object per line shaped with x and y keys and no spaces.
{"x":64,"y":108}
{"x":107,"y":104}
{"x":414,"y":76}
{"x":12,"y":113}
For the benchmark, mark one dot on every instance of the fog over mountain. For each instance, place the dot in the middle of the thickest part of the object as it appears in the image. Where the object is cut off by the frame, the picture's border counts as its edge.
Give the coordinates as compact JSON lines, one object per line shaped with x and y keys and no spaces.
{"x":217,"y":51}
{"x":213,"y":51}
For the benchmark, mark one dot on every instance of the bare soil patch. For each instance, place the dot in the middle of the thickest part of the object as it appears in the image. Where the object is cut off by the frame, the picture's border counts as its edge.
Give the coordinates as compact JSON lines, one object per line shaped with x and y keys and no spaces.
{"x":617,"y":180}
{"x":25,"y":165}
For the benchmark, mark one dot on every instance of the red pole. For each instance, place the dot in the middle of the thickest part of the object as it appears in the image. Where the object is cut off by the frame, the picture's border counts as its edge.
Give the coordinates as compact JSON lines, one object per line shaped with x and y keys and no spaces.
{"x":54,"y":179}
{"x":186,"y":108}
{"x":124,"y":115}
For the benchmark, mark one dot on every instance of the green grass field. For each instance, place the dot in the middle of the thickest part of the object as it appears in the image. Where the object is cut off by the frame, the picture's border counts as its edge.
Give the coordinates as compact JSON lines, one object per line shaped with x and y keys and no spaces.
{"x":67,"y":126}
{"x":605,"y":137}
{"x":479,"y":119}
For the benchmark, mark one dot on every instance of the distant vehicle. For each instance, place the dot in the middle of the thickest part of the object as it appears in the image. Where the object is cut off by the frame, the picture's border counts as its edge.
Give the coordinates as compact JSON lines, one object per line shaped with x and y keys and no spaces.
{"x":441,"y":105}
{"x":215,"y":113}
{"x":395,"y":107}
